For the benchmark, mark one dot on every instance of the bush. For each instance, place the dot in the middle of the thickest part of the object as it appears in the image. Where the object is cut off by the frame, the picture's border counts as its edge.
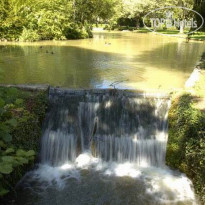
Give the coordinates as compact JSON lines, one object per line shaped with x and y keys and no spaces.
{"x":29,"y":35}
{"x":74,"y":31}
{"x":202,"y":65}
{"x":186,"y":143}
{"x":20,"y":130}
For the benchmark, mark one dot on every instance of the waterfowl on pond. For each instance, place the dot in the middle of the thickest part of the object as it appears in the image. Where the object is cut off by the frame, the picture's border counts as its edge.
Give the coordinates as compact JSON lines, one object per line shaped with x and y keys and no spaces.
{"x":107,"y":43}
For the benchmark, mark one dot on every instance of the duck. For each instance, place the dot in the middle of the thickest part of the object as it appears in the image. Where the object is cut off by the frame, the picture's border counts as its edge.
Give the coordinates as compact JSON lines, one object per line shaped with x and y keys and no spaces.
{"x":107,"y":43}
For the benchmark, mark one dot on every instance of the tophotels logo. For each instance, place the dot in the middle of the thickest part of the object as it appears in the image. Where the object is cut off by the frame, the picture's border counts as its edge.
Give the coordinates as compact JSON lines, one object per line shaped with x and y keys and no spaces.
{"x":173,"y":17}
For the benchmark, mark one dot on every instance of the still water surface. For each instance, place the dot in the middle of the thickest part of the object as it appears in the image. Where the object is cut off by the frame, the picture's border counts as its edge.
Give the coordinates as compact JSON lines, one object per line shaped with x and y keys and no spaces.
{"x":141,"y":61}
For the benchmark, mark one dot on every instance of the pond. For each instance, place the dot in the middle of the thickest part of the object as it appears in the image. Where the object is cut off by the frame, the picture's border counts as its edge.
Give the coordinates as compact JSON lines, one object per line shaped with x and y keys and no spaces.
{"x":136,"y":60}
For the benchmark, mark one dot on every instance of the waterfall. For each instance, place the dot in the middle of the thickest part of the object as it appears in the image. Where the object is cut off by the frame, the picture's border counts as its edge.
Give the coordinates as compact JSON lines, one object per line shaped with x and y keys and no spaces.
{"x":105,"y":147}
{"x":115,"y":126}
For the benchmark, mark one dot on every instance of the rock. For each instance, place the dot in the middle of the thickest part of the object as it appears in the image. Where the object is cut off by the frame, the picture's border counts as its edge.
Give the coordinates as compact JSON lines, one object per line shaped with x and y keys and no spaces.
{"x":31,"y":87}
{"x":194,"y":77}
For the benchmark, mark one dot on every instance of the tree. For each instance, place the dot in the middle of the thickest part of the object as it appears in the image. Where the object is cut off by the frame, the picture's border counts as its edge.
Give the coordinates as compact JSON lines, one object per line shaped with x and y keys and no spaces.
{"x":90,"y":11}
{"x":199,"y":6}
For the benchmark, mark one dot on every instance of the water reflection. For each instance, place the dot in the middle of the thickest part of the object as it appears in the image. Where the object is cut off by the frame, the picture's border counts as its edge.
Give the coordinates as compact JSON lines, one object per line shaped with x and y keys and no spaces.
{"x":140,"y":60}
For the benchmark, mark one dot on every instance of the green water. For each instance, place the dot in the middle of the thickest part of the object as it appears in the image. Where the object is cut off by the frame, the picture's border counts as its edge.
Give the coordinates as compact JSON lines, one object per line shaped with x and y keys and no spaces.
{"x":141,"y":61}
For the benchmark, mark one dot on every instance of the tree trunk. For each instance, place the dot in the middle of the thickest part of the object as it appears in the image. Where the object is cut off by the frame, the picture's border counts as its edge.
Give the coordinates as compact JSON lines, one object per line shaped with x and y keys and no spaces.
{"x":137,"y":23}
{"x":181,"y":28}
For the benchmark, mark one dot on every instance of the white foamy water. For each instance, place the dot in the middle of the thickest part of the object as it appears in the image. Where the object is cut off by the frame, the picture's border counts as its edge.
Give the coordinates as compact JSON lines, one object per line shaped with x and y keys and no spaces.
{"x":161,"y":184}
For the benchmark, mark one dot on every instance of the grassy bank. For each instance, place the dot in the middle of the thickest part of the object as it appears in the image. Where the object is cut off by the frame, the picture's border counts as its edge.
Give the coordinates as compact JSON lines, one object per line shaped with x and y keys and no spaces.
{"x":186,"y":143}
{"x":21,"y":116}
{"x":199,"y":36}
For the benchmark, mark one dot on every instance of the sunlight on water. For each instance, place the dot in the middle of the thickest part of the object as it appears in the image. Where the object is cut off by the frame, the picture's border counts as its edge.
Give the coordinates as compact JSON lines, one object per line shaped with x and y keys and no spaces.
{"x":134,"y":60}
{"x":163,"y":181}
{"x":85,"y":160}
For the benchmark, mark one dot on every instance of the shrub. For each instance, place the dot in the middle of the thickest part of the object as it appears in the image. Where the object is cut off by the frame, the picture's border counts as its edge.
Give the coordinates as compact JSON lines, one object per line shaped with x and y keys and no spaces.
{"x":203,"y":61}
{"x":186,"y":143}
{"x":74,"y":31}
{"x":20,"y":130}
{"x":29,"y":35}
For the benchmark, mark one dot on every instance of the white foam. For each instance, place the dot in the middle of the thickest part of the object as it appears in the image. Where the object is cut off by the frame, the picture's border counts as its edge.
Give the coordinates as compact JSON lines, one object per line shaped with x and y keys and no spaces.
{"x":164,"y":184}
{"x":85,"y":160}
{"x":55,"y":175}
{"x":168,"y":186}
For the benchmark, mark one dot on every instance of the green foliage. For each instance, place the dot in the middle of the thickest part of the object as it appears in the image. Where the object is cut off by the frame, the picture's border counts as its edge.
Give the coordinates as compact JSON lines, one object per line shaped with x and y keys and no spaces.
{"x":29,"y":35}
{"x":199,"y":6}
{"x":186,"y":143}
{"x":10,"y":20}
{"x":77,"y":32}
{"x":202,"y":65}
{"x":131,"y":13}
{"x":47,"y":20}
{"x":21,"y":115}
{"x":92,"y":11}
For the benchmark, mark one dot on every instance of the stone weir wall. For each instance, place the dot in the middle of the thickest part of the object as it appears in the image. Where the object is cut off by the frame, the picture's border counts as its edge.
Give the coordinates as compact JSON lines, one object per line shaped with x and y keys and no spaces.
{"x":58,"y":90}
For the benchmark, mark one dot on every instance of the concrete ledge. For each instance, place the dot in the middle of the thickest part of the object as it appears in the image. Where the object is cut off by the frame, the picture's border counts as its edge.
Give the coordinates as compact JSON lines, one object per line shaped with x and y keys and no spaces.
{"x":112,"y":92}
{"x":30,"y":87}
{"x":53,"y":91}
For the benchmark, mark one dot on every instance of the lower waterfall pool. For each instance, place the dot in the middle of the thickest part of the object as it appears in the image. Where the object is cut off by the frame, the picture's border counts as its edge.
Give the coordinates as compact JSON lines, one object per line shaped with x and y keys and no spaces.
{"x":105,"y":148}
{"x":91,"y":181}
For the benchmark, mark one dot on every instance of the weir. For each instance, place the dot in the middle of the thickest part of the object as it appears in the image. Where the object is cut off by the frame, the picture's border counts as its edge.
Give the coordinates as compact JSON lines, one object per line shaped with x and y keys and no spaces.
{"x":105,"y":147}
{"x":113,"y":125}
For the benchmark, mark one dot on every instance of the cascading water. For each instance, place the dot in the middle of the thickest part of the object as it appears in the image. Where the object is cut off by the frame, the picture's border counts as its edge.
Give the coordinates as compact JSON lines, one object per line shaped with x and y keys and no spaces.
{"x":115,"y":127}
{"x":111,"y":135}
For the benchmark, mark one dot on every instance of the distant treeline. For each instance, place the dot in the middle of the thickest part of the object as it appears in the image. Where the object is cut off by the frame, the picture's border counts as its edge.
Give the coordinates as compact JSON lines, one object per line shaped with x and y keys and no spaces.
{"x":133,"y":12}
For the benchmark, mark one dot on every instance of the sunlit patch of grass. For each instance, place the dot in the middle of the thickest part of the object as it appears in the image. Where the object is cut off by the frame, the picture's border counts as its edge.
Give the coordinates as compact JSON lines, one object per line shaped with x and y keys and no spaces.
{"x":198,"y":36}
{"x":194,"y":36}
{"x":142,"y":30}
{"x":169,"y":32}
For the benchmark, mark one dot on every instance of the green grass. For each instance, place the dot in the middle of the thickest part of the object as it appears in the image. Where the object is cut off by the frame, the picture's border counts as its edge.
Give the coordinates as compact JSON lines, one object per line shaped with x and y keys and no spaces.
{"x":186,"y":142}
{"x":162,"y":31}
{"x":195,"y":36}
{"x":142,"y":30}
{"x":198,"y":36}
